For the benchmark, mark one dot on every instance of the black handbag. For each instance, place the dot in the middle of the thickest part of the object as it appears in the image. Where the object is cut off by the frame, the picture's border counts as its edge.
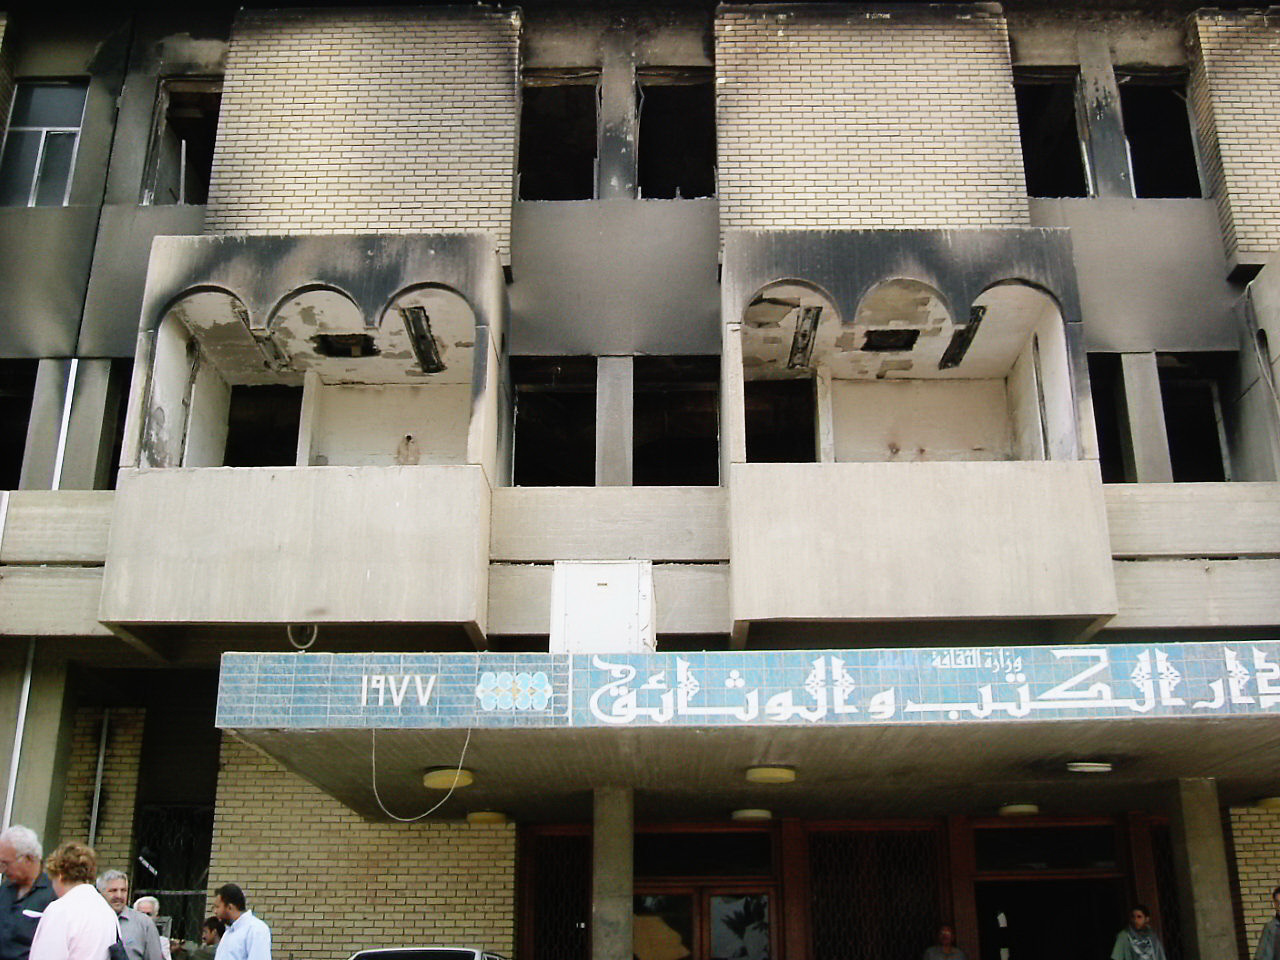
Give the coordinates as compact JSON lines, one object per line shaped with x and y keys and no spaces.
{"x":117,"y":951}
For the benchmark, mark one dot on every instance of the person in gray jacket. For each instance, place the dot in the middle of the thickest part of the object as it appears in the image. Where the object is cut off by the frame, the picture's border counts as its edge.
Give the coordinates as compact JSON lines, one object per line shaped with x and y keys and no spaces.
{"x":137,"y":930}
{"x":1269,"y":942}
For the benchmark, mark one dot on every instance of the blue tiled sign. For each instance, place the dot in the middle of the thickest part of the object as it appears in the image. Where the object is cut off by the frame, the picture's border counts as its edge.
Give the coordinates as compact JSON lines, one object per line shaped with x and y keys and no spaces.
{"x":758,"y":688}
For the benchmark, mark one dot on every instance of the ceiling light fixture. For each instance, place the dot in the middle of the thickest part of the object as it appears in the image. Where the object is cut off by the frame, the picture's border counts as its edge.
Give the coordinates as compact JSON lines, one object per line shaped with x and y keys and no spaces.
{"x":1019,"y":810}
{"x":1089,"y":766}
{"x":486,"y":817}
{"x":444,"y":778}
{"x":771,"y":774}
{"x":752,"y":813}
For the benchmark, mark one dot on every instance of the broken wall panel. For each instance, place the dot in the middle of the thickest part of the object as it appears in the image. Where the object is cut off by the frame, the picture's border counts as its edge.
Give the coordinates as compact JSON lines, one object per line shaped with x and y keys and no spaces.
{"x":320,"y":105}
{"x":839,"y":96}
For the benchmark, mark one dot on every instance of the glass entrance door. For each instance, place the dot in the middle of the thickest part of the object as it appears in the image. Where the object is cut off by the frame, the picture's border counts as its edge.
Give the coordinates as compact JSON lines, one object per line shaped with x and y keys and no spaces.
{"x":706,"y":922}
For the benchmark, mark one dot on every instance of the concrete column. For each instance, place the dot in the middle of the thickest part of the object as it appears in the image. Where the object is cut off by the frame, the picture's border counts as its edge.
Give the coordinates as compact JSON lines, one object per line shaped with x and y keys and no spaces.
{"x":1143,"y":434}
{"x":615,"y":419}
{"x":91,"y":429}
{"x":611,"y":874}
{"x":43,"y":429}
{"x":1102,"y":126}
{"x":46,"y":739}
{"x":1200,"y":861}
{"x":619,"y":121}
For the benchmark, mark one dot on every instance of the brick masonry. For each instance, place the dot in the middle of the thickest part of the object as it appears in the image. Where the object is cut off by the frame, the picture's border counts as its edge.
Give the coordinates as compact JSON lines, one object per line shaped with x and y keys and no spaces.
{"x":114,"y":842}
{"x":378,"y":120}
{"x":329,"y":883}
{"x":1235,"y":94}
{"x":860,"y":118}
{"x":1255,"y":835}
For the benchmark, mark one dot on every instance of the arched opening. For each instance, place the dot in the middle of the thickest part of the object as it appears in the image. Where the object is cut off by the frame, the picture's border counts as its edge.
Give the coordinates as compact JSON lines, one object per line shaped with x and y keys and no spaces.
{"x":403,"y":394}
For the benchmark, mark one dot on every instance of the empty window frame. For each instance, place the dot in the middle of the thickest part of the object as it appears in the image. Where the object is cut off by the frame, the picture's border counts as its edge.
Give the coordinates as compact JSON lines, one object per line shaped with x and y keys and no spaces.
{"x":558,"y":117}
{"x":555,"y":421}
{"x":676,"y":421}
{"x":1048,"y":123}
{"x":40,"y":144}
{"x":262,"y":426}
{"x":781,"y":420}
{"x":1197,"y":391}
{"x":1110,"y":418}
{"x":1157,"y":125}
{"x":17,"y":390}
{"x":180,"y":161}
{"x":677,"y":139}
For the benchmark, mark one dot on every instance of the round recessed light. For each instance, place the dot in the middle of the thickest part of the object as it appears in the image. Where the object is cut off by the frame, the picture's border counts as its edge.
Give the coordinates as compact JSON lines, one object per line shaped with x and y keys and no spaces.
{"x":445,"y":778}
{"x":486,"y":817}
{"x":1089,"y":766}
{"x":771,"y":774}
{"x":1019,"y":810}
{"x":1268,"y":803}
{"x":752,"y":813}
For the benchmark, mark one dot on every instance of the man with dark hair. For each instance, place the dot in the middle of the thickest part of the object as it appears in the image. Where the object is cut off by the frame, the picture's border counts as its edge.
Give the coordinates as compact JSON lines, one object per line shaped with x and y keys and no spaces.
{"x":1138,"y":941}
{"x":1269,"y":942}
{"x":246,"y":937}
{"x":26,"y":892}
{"x":210,"y":936}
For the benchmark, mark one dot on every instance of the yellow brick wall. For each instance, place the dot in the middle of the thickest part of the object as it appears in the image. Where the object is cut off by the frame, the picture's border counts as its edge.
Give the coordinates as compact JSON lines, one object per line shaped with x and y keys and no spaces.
{"x":329,"y":883}
{"x":114,"y":843}
{"x":867,"y":119}
{"x":1255,"y":835}
{"x":1235,"y":93}
{"x":377,"y":120}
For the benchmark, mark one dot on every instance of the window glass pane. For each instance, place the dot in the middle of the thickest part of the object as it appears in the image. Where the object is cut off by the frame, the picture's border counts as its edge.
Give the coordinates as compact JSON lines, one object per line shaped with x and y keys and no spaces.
{"x":18,"y":167}
{"x":740,"y":927}
{"x":47,"y":105}
{"x":55,"y":169}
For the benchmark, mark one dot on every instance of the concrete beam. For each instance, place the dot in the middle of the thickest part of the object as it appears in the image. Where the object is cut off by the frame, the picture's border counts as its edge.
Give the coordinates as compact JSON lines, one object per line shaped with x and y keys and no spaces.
{"x":40,"y":452}
{"x":1200,"y":863}
{"x":615,"y":419}
{"x":1146,"y":440}
{"x":619,"y":121}
{"x":1100,"y":118}
{"x":41,"y":769}
{"x":612,"y":853}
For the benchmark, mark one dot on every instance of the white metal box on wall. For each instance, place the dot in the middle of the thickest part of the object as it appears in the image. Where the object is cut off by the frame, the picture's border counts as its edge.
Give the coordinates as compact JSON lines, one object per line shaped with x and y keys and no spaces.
{"x":602,"y":606}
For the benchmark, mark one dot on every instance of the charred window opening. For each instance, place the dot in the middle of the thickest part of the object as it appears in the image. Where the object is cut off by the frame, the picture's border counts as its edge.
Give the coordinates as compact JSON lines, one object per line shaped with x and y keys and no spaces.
{"x":1157,"y":124}
{"x":558,"y":136}
{"x":345,"y":345}
{"x":1197,"y":390}
{"x":1051,"y":152}
{"x":677,"y":140}
{"x":555,"y":421}
{"x":890,"y":341}
{"x":676,"y":421}
{"x":17,"y":390}
{"x":781,"y":421}
{"x":262,"y":426}
{"x":180,"y":161}
{"x":1106,"y":384}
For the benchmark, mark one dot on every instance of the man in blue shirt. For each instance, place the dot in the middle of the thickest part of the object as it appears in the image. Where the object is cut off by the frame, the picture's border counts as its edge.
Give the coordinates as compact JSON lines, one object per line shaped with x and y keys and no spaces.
{"x":26,"y":891}
{"x":246,"y":937}
{"x":1269,"y":943}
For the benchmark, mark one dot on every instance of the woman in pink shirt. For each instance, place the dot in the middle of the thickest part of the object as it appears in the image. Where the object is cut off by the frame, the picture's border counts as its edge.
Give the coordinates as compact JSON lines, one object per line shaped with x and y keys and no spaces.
{"x":80,"y":924}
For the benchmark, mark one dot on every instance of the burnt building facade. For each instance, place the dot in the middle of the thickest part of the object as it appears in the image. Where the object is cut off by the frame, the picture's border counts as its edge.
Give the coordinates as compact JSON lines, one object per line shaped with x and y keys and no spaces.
{"x":757,"y":480}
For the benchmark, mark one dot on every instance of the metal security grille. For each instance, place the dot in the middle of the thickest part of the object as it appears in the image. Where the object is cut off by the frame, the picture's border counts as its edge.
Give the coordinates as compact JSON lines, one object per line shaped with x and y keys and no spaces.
{"x":560,"y":896}
{"x":172,"y":862}
{"x":875,"y":893}
{"x":1170,"y":916}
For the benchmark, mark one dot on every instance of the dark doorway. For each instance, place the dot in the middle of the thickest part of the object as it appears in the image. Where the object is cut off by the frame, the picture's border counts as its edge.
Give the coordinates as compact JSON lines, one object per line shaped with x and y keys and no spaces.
{"x":781,"y":421}
{"x":558,"y":138}
{"x":1049,"y":919}
{"x":1047,"y":122}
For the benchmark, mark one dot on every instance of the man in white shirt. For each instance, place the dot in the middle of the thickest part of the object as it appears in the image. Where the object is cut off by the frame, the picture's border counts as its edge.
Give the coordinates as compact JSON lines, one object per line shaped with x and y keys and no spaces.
{"x":150,"y":907}
{"x":246,"y":937}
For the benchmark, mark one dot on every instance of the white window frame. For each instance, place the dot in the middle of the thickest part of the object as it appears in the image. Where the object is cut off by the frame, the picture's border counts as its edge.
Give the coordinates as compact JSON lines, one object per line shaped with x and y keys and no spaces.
{"x":44,"y":136}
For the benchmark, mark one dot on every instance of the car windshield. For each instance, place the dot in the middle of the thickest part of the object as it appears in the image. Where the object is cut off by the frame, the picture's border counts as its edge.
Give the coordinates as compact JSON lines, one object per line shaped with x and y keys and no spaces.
{"x":420,"y":953}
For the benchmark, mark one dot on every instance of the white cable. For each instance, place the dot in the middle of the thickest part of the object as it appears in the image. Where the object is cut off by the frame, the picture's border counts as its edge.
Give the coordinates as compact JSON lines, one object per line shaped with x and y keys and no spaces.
{"x":373,"y":758}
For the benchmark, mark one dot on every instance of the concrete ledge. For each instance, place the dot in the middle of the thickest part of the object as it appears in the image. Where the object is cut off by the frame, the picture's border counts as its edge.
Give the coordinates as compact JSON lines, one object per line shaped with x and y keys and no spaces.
{"x":1194,"y":519}
{"x":1197,"y":593}
{"x":276,"y":545}
{"x":610,"y":523}
{"x":915,"y":541}
{"x":56,"y":526}
{"x":51,"y":602}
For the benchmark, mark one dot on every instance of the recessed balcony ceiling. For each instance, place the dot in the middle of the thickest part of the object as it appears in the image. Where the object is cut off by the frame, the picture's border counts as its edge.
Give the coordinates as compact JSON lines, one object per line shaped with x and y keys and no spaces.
{"x":903,"y":329}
